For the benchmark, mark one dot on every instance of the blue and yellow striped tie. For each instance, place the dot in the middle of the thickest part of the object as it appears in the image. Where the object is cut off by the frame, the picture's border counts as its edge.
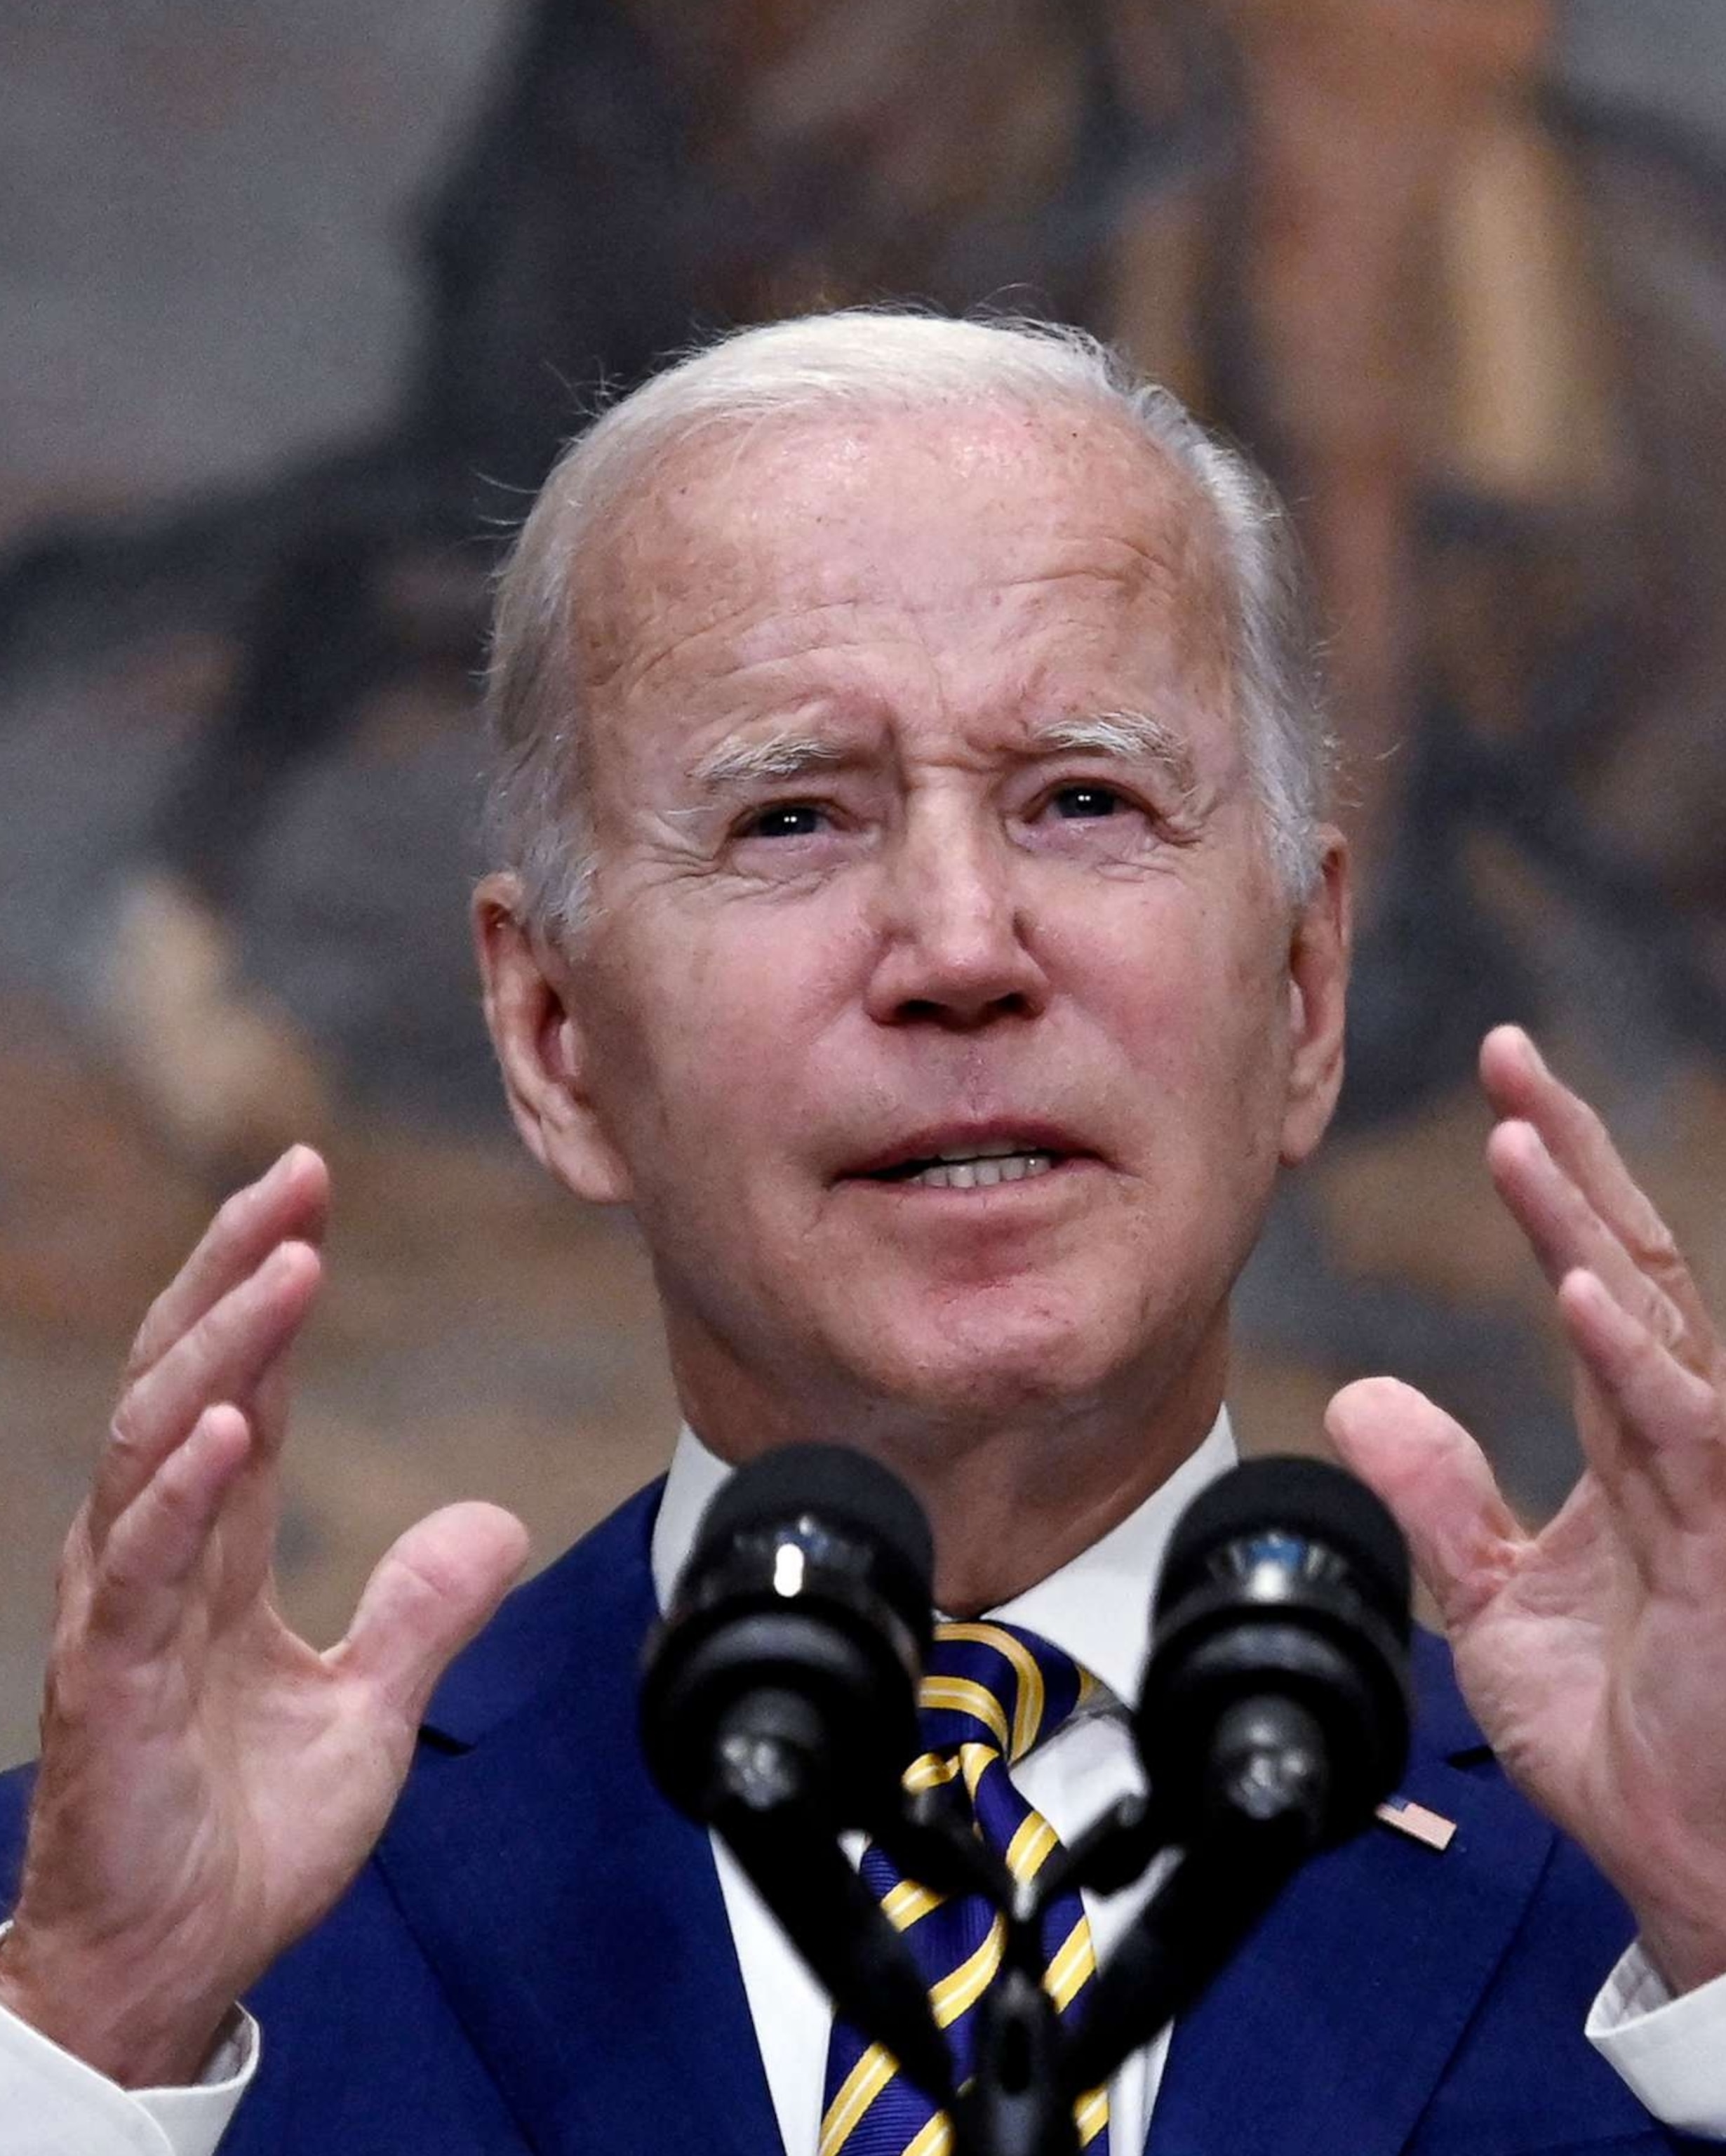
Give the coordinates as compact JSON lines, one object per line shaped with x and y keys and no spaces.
{"x":990,"y":1693}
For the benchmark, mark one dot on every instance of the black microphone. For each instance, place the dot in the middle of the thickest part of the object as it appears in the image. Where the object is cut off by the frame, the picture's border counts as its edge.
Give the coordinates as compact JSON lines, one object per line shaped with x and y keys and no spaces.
{"x":1273,"y":1718}
{"x":779,"y":1707}
{"x":1277,"y":1680}
{"x":787,"y":1664}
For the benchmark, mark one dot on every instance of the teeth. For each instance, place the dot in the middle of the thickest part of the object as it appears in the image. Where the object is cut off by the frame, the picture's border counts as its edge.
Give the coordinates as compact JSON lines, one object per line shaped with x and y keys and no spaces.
{"x":971,"y":1173}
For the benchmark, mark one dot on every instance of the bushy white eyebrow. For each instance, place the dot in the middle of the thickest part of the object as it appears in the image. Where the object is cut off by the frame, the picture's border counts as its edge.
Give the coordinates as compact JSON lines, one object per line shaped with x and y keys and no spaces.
{"x":782,"y":756}
{"x":1128,"y":737}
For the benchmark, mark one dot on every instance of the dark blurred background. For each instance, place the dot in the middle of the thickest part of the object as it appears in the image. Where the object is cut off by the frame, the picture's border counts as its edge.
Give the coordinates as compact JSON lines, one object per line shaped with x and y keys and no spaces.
{"x":296,"y":305}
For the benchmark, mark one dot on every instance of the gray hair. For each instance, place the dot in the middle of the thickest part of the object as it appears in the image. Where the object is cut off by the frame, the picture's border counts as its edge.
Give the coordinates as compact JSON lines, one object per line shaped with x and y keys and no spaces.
{"x":877,"y":360}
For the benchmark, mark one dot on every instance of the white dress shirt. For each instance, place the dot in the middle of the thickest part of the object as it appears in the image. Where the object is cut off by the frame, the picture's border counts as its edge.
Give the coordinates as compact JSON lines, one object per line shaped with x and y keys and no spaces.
{"x":1670,"y":2053}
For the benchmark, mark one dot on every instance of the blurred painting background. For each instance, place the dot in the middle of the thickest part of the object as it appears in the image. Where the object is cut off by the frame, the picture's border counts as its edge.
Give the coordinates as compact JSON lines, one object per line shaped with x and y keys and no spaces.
{"x":296,"y":303}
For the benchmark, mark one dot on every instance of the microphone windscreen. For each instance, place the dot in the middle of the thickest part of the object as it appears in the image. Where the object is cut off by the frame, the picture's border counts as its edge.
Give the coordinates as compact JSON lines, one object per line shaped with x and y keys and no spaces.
{"x":834,"y":1484}
{"x":1291,"y":1494}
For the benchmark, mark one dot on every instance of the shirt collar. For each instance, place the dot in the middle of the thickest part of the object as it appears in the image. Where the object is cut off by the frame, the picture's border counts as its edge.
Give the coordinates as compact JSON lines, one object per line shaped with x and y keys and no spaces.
{"x":1096,"y":1608}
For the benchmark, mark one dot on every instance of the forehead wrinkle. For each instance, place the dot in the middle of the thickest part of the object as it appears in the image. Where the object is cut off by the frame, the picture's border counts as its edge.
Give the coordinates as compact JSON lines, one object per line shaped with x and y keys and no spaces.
{"x":679,"y":585}
{"x":807,"y":624}
{"x":727,"y":624}
{"x":1174,"y":558}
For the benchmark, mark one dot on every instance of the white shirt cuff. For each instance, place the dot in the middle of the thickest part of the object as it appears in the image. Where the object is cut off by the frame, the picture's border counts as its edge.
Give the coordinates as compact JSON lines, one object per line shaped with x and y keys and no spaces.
{"x":51,"y":2102}
{"x":1671,"y":2052}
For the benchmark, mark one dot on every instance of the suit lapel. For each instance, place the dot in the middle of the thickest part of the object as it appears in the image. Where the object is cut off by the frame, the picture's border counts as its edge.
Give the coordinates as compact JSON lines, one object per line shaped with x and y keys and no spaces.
{"x":575,"y":1921}
{"x":1332,"y":2026}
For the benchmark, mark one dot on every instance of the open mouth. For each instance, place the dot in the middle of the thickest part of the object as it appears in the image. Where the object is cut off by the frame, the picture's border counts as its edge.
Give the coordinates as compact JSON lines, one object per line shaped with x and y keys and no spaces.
{"x":977,"y":1166}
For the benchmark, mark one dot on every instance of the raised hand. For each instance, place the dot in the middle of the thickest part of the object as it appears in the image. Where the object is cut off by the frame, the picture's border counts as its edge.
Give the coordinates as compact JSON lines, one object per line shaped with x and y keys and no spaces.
{"x":1594,"y":1655}
{"x":209,"y":1783}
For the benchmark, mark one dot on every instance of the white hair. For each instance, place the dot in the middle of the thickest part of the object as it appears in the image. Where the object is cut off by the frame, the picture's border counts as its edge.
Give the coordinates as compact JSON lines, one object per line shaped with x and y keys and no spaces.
{"x":877,"y":361}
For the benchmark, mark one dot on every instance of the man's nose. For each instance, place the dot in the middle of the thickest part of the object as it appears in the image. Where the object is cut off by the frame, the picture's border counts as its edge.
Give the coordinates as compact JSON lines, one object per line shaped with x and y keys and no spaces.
{"x":954,"y":949}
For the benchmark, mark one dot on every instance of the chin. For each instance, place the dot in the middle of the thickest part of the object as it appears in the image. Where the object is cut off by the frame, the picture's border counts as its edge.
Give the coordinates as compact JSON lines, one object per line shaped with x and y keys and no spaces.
{"x":977,"y":1363}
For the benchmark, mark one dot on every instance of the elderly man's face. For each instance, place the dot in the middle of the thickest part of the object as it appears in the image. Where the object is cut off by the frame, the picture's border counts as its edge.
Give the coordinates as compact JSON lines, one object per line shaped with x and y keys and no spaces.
{"x":940,"y":1015}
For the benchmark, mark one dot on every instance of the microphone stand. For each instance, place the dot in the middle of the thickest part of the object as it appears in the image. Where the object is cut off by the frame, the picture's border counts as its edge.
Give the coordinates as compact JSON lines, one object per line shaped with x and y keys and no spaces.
{"x":1031,"y":2069}
{"x":758,"y":1802}
{"x":1257,"y":1814}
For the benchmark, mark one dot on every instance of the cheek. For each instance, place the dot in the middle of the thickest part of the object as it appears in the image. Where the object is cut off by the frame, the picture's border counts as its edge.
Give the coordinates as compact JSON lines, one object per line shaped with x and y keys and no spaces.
{"x":712,"y":1036}
{"x":1200,"y":1015}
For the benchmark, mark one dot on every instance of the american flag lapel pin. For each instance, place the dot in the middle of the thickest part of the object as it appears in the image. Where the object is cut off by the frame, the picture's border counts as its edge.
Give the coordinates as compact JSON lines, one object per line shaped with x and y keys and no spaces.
{"x":1418,"y":1822}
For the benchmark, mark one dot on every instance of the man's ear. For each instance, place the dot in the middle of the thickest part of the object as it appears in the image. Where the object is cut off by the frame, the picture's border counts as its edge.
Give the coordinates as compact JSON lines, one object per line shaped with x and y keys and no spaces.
{"x":1317,"y":992}
{"x":542,"y":1049}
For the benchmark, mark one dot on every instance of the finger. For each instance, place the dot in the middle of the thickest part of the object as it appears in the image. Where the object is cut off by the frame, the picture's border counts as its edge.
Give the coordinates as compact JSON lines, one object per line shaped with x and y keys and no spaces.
{"x":291,"y":1201}
{"x":1564,"y":1231}
{"x":227,"y":1356}
{"x":139,"y":1593}
{"x":1462,"y":1536}
{"x":1519,"y":1084}
{"x":1669,"y":1423}
{"x":432,"y":1591}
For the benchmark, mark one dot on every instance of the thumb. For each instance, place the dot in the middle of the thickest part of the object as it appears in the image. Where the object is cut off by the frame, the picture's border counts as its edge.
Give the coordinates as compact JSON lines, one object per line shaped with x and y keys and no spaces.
{"x":1434,"y":1477}
{"x":432,"y":1591}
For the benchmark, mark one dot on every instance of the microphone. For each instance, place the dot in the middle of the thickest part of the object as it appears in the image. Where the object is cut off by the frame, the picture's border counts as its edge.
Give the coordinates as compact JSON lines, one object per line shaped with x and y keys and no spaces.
{"x":1273,"y":1718}
{"x":779,"y":1707}
{"x":1278,"y":1680}
{"x":786,"y":1668}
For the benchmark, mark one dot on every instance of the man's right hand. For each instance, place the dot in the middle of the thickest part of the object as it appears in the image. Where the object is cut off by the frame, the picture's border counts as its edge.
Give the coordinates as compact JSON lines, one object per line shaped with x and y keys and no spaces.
{"x":210,"y":1783}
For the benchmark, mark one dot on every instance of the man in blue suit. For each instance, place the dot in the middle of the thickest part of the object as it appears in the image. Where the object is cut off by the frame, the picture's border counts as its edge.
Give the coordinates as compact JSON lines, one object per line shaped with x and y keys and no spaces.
{"x":917,"y":905}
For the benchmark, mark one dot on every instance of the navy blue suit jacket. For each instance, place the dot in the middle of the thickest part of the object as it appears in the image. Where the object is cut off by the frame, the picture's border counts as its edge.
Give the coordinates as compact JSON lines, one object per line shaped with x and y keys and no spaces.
{"x":537,"y":1958}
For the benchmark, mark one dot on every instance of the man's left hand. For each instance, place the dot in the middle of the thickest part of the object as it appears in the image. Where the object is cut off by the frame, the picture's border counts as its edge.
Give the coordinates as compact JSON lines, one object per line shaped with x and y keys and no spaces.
{"x":1593,"y":1654}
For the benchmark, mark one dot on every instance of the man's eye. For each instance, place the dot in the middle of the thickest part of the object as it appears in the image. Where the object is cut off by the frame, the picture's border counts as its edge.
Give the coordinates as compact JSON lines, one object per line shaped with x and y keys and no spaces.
{"x":1074,"y":802}
{"x":784,"y":819}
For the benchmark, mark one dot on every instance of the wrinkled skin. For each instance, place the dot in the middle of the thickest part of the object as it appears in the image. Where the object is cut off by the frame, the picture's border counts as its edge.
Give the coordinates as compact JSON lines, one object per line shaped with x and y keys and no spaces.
{"x":909,"y":913}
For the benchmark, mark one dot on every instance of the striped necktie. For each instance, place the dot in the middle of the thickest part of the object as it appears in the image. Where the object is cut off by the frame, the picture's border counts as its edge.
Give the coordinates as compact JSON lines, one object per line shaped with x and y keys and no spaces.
{"x":990,"y":1693}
